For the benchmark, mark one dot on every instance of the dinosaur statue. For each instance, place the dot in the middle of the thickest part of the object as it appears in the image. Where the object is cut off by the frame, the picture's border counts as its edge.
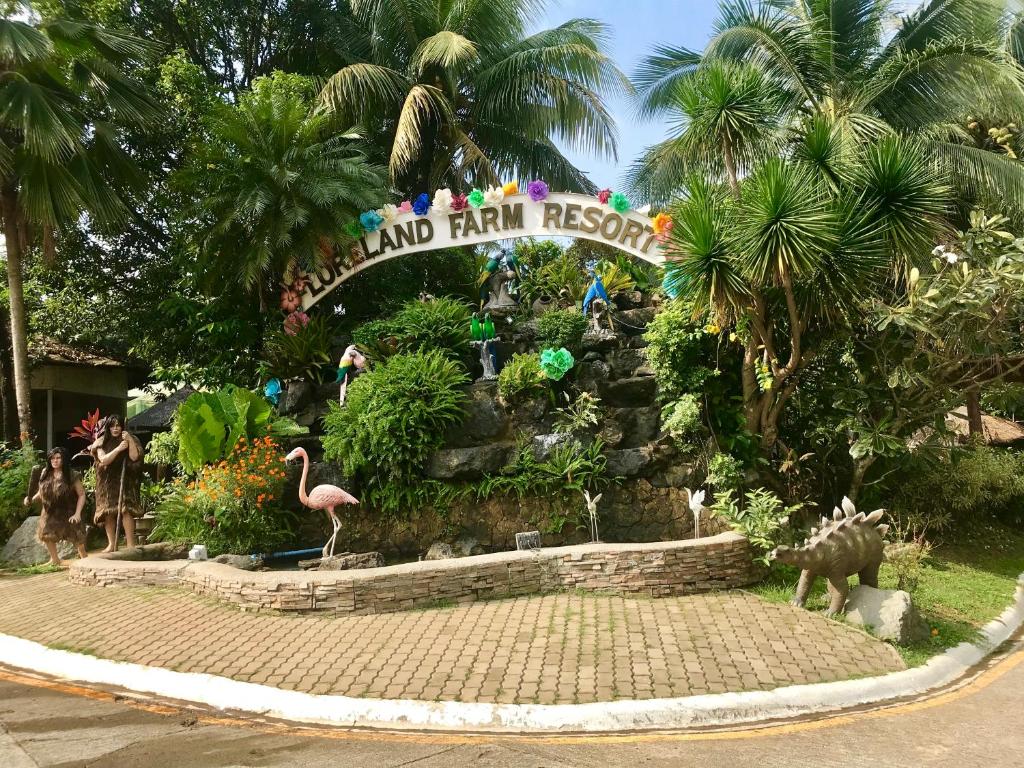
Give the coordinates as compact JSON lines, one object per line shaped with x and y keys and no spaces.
{"x":849,"y":543}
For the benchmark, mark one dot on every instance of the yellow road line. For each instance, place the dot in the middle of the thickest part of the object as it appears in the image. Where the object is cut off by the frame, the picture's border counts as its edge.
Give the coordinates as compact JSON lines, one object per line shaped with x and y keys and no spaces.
{"x":979,"y":683}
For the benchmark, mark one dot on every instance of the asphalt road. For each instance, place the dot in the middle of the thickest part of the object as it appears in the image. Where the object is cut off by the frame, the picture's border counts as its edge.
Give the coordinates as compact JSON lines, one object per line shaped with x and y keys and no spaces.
{"x":981,"y":724}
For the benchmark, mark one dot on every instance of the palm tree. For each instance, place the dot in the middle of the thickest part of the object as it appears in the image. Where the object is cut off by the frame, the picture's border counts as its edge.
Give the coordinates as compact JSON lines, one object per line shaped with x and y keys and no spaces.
{"x":63,"y":94}
{"x":863,"y":68}
{"x":459,"y":94}
{"x":275,"y":183}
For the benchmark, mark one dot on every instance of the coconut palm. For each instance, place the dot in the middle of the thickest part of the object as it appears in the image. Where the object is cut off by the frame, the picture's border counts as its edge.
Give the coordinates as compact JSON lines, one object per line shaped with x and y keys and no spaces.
{"x":64,"y":92}
{"x":458,"y":93}
{"x":868,"y":71}
{"x":274,"y":183}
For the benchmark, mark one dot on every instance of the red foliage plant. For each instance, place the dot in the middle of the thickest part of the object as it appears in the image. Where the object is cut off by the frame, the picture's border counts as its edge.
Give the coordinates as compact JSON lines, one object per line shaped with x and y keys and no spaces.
{"x":89,"y":428}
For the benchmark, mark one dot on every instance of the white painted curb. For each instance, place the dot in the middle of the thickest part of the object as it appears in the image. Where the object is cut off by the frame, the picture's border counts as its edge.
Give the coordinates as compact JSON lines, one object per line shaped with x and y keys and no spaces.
{"x":704,"y":711}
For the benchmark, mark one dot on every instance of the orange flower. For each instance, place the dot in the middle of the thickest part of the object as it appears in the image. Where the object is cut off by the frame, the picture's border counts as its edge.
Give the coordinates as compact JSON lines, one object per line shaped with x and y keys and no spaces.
{"x":238,"y":492}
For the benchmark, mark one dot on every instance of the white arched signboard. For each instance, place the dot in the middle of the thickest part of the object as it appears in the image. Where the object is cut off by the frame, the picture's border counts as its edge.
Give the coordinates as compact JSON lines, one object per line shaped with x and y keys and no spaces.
{"x":516,"y":216}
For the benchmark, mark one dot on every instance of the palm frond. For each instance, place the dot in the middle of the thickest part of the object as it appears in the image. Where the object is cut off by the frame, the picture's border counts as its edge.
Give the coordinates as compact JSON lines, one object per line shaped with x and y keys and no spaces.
{"x":659,"y":77}
{"x":21,"y":43}
{"x":446,"y":49}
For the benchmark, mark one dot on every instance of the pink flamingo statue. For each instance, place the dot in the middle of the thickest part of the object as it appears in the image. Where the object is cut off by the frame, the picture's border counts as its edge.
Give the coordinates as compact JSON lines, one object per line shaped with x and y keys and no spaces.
{"x":325,"y":497}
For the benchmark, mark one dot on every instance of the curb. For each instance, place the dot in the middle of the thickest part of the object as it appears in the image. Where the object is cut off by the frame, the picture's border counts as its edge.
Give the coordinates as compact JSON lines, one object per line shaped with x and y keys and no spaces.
{"x":652,"y":714}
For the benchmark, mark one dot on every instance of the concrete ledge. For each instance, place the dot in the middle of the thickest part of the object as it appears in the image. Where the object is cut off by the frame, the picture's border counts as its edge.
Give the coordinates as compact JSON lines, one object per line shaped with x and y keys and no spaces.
{"x":695,"y":711}
{"x":656,"y":569}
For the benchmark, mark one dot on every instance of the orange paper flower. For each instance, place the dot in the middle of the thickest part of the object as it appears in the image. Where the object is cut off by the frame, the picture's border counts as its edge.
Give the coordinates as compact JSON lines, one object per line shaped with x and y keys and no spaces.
{"x":512,"y":188}
{"x":662,"y":223}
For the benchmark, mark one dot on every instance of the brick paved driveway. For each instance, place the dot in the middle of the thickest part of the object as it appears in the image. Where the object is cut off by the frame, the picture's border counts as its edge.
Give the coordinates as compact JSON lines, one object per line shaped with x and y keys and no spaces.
{"x":554,"y":649}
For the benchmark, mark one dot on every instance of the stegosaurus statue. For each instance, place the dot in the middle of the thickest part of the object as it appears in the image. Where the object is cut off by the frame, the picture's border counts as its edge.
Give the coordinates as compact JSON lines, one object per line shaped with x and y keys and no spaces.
{"x":849,"y":543}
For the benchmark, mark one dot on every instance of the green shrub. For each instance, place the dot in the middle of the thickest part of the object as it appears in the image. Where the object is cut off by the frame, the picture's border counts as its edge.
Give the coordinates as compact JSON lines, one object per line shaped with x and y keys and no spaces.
{"x":725,"y":472}
{"x":761,"y":517}
{"x":561,"y":328}
{"x":569,"y":469}
{"x":521,"y":378}
{"x":15,"y":470}
{"x":210,"y":424}
{"x":677,"y":349}
{"x":972,"y":485}
{"x":394,"y":417}
{"x":305,"y":354}
{"x":682,"y":420}
{"x":419,"y":326}
{"x":163,"y":447}
{"x":233,"y":506}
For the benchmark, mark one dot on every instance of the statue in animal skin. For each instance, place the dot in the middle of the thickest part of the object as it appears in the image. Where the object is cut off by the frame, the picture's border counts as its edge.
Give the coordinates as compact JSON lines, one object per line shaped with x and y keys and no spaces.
{"x":851,"y":542}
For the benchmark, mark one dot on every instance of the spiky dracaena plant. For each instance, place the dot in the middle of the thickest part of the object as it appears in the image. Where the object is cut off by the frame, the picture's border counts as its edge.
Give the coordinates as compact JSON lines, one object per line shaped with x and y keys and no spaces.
{"x":459,"y":92}
{"x":64,"y":96}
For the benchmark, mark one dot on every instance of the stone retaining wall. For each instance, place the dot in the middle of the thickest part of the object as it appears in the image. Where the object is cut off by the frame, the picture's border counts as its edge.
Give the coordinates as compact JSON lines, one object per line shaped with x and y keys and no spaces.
{"x":656,"y":569}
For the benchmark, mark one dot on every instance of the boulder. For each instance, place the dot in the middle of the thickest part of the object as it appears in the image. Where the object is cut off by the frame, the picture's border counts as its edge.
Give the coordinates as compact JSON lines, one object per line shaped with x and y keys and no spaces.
{"x":626,"y":363}
{"x":603,"y":340}
{"x":483,"y":418}
{"x":467,"y":546}
{"x":244,"y":562}
{"x":543,"y":445}
{"x":888,"y":613}
{"x":439,"y":551}
{"x":633,"y":322}
{"x":591,"y":376}
{"x":350,"y":561}
{"x":23,"y":548}
{"x":629,"y":462}
{"x":296,"y":396}
{"x":632,"y":392}
{"x":468,"y":463}
{"x":639,"y":426}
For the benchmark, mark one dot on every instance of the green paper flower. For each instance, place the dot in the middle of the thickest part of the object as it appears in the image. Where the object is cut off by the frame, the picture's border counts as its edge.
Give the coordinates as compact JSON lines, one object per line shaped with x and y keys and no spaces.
{"x":556,"y":364}
{"x":620,"y":202}
{"x":476,"y":198}
{"x":354,"y":229}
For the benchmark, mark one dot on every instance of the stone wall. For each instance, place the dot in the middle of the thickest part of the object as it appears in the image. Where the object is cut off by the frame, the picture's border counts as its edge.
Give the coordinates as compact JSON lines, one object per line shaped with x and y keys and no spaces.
{"x":648,"y":503}
{"x":659,"y":569}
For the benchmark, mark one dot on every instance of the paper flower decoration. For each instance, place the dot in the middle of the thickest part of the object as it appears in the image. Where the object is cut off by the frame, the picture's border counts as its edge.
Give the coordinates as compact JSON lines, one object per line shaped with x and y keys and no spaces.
{"x":443,"y":200}
{"x":556,"y":364}
{"x":405,"y":207}
{"x":459,"y":203}
{"x":662,"y":224}
{"x":476,"y":198}
{"x":290,"y":300}
{"x":422,"y":204}
{"x":512,"y":188}
{"x":371,"y":220}
{"x":494,"y":196}
{"x":388,"y":213}
{"x":272,"y":391}
{"x":295,"y":322}
{"x":537,"y":190}
{"x":619,"y":202}
{"x":603,"y":196}
{"x":354,"y":229}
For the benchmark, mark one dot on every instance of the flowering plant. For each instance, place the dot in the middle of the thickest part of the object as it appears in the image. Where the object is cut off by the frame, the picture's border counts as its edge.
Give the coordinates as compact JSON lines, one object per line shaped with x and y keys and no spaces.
{"x":493,"y":196}
{"x":511,"y":188}
{"x":537,"y":190}
{"x":295,"y":321}
{"x":88,"y":429}
{"x":371,"y":220}
{"x":232,"y":505}
{"x":422,"y":204}
{"x":290,"y":299}
{"x":619,"y":202}
{"x":459,"y":203}
{"x":476,"y":198}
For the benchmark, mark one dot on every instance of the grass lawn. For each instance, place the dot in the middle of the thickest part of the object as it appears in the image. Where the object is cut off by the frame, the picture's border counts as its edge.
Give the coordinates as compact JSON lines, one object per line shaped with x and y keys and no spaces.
{"x":968,"y":581}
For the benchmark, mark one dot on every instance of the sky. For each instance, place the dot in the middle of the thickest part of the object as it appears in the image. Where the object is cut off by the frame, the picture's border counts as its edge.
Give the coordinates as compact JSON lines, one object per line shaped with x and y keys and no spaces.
{"x":635,"y":27}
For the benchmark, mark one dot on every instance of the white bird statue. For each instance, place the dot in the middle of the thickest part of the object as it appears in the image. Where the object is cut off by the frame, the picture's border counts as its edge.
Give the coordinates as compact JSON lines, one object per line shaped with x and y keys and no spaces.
{"x":696,"y":506}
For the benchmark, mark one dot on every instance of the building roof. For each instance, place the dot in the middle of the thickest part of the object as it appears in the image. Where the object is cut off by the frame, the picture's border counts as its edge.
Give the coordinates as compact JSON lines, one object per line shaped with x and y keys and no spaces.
{"x":158,"y":417}
{"x":995,"y":430}
{"x":45,"y":350}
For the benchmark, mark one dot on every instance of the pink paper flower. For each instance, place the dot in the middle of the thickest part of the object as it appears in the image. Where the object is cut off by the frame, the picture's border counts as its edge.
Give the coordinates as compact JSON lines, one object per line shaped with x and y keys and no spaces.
{"x":537,"y":190}
{"x":405,"y":207}
{"x":604,"y":195}
{"x":459,"y":203}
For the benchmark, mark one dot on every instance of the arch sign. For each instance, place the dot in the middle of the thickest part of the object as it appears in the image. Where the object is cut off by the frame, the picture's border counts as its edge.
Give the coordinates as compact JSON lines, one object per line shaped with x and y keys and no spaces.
{"x":401,"y":231}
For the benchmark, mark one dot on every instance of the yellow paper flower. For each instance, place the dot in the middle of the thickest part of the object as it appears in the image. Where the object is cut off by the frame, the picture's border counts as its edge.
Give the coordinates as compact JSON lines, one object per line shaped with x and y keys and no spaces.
{"x":512,"y":188}
{"x":662,"y":223}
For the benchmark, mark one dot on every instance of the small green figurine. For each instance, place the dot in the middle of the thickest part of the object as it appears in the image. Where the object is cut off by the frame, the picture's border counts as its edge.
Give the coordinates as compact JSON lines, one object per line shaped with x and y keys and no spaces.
{"x":475,"y":330}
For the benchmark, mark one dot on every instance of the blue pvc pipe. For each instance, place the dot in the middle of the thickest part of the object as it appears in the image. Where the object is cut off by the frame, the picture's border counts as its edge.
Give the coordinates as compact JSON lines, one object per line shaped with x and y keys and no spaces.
{"x":292,"y":553}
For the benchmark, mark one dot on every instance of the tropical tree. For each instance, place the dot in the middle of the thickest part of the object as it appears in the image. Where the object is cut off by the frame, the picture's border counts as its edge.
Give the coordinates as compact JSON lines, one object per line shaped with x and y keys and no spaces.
{"x":64,"y":92}
{"x":458,"y":93}
{"x":275,"y":184}
{"x":862,"y":67}
{"x":786,"y":264}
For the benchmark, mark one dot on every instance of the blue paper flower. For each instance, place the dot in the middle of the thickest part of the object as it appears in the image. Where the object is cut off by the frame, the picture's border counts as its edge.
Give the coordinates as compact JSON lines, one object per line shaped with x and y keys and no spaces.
{"x":422,"y":204}
{"x":371,"y":220}
{"x":272,"y":391}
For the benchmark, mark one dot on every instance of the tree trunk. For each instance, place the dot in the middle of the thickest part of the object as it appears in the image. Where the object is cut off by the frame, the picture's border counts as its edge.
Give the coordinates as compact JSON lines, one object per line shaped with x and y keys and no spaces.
{"x":730,"y":167}
{"x":8,"y":402}
{"x":860,"y":469}
{"x":19,"y":330}
{"x":974,"y":424}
